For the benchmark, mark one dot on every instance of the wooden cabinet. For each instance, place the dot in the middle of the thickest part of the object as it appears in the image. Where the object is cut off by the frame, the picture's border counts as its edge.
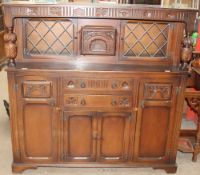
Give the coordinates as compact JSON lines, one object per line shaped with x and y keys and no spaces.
{"x":95,"y":86}
{"x":37,"y":118}
{"x":155,"y":120}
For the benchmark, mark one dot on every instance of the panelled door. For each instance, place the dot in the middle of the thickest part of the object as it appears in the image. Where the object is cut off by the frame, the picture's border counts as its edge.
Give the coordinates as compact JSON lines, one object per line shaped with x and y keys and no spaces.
{"x":155,"y":120}
{"x":96,"y":136}
{"x":113,"y":136}
{"x":79,"y":130}
{"x":38,"y":118}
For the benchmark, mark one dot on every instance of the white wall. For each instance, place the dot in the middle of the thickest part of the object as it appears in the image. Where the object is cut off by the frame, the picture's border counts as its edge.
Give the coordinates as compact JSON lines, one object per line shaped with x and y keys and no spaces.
{"x":3,"y":92}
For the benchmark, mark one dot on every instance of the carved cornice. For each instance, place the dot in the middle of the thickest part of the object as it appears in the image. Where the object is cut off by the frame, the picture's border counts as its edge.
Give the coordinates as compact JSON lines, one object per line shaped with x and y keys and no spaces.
{"x":97,"y":11}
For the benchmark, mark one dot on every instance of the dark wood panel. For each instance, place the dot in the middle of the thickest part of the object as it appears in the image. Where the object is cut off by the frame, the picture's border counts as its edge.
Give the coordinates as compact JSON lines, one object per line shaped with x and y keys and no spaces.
{"x":113,"y":138}
{"x":79,"y":130}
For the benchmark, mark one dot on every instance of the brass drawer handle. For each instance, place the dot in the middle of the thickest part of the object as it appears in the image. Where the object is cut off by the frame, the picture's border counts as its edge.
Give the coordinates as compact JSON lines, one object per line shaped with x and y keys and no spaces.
{"x":125,"y":85}
{"x":114,"y":85}
{"x":114,"y":103}
{"x":83,"y":85}
{"x":83,"y":102}
{"x":70,"y":84}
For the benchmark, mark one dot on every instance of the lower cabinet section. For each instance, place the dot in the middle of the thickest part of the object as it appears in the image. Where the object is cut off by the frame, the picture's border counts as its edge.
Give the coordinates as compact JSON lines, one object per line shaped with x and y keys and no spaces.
{"x":96,"y":136}
{"x":137,"y":126}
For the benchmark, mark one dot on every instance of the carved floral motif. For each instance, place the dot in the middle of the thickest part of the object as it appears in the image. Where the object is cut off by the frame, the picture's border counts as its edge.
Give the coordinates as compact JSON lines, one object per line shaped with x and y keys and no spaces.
{"x":32,"y":11}
{"x":55,"y":11}
{"x":156,"y":91}
{"x":79,"y":12}
{"x":71,"y":101}
{"x":102,"y":12}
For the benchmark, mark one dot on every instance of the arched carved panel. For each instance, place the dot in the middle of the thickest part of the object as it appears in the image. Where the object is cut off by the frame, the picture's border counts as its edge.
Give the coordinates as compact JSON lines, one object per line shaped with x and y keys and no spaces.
{"x":98,"y":40}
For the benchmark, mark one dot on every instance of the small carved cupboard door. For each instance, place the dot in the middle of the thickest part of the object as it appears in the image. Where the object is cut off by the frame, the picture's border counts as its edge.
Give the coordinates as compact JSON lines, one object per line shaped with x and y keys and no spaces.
{"x":37,"y":118}
{"x":79,"y":129}
{"x":155,"y":120}
{"x":113,"y":136}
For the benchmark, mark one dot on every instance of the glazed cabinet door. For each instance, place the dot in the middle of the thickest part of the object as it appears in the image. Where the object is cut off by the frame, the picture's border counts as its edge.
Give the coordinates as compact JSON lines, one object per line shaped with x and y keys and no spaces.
{"x":79,"y":131}
{"x":155,"y":120}
{"x":38,"y":117}
{"x":113,"y":136}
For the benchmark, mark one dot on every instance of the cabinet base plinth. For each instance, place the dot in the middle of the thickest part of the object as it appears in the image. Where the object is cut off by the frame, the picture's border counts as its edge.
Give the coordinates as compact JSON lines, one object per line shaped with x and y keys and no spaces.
{"x":20,"y":168}
{"x":168,"y":169}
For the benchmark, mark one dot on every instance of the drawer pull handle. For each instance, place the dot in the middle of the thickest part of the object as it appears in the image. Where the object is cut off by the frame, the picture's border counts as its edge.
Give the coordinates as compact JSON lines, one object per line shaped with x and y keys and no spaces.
{"x":83,"y":85}
{"x":114,"y":85}
{"x":125,"y":85}
{"x":83,"y":102}
{"x":70,"y":84}
{"x":114,"y":103}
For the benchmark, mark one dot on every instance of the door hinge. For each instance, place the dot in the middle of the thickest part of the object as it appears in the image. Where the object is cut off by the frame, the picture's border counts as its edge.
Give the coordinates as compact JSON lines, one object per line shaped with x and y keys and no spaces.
{"x":178,"y":90}
{"x":16,"y":87}
{"x":63,"y":157}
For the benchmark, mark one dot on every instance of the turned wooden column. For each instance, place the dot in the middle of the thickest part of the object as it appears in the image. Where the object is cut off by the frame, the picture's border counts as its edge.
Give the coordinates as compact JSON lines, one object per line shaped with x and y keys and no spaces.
{"x":10,"y":46}
{"x":193,"y":100}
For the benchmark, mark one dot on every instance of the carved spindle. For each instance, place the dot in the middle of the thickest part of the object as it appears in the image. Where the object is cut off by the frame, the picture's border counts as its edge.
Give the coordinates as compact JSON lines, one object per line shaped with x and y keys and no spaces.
{"x":10,"y":39}
{"x":186,"y":52}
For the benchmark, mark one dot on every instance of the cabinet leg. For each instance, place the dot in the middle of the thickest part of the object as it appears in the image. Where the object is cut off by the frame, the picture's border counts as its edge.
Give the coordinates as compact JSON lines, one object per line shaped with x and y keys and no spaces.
{"x":19,"y":168}
{"x":196,"y":152}
{"x":168,"y":170}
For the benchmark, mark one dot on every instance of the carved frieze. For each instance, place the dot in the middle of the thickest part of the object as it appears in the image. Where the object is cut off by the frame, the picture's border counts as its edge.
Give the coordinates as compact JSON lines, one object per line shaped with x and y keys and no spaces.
{"x":31,"y":11}
{"x":55,"y":11}
{"x":37,"y":89}
{"x":102,"y":12}
{"x":79,"y":11}
{"x":157,"y":91}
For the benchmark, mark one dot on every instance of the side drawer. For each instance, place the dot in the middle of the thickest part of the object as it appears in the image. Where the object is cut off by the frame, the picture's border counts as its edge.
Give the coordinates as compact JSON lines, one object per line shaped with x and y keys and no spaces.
{"x":97,"y":84}
{"x":37,"y":89}
{"x":74,"y":100}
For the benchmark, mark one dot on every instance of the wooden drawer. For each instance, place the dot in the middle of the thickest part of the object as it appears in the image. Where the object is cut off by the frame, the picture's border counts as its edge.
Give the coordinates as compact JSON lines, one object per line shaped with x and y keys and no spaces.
{"x":74,"y":100}
{"x":97,"y":84}
{"x":37,"y":89}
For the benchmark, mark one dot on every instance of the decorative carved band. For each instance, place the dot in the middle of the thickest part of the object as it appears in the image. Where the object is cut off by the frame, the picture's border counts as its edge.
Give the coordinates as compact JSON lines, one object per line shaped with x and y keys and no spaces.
{"x":10,"y":46}
{"x":98,"y":11}
{"x":157,"y":91}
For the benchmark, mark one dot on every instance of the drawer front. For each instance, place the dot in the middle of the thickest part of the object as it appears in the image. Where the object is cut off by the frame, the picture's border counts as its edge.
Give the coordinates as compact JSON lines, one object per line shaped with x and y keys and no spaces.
{"x":73,"y":100}
{"x":97,"y":84}
{"x":156,"y":91}
{"x":37,"y":89}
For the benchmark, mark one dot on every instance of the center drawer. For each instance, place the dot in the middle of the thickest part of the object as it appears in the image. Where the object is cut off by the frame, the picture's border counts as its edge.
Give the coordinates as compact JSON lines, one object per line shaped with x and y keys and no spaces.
{"x":74,"y":100}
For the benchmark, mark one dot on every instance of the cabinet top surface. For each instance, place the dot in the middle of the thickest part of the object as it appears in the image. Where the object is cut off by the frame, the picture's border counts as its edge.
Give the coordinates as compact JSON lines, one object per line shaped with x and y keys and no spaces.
{"x":100,"y":5}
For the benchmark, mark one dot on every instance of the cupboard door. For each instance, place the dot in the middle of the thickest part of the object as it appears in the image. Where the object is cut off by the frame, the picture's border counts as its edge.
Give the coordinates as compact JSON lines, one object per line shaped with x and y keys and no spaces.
{"x":155,"y":121}
{"x":113,"y":136}
{"x":79,"y":130}
{"x":38,"y":119}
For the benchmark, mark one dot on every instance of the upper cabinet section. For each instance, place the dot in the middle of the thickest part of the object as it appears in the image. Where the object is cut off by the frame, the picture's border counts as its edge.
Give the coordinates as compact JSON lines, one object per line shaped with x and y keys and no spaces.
{"x":95,"y":33}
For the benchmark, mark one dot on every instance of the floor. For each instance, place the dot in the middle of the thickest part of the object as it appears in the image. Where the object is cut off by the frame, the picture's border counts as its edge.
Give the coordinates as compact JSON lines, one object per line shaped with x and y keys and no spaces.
{"x":185,"y":165}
